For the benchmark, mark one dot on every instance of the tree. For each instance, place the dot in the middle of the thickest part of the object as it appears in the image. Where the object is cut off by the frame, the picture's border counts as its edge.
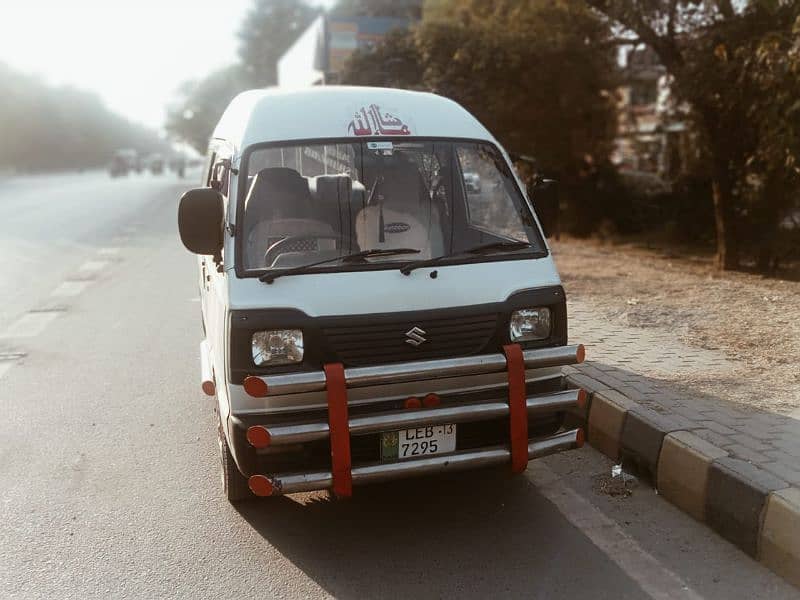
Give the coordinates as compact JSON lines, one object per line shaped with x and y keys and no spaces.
{"x":200,"y":104}
{"x":49,"y":127}
{"x":770,"y":66}
{"x":269,"y":29}
{"x":505,"y":61}
{"x":409,"y":9}
{"x":395,"y":62}
{"x":706,"y":46}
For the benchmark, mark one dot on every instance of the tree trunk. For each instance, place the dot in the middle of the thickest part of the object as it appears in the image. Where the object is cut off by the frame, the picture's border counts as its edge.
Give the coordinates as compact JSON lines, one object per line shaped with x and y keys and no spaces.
{"x":766,"y":221}
{"x":724,"y":216}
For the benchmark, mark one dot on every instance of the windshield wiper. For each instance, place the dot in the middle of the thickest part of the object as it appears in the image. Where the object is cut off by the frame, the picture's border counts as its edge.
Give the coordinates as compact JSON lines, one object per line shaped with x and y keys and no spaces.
{"x":347,"y":258}
{"x":482,"y":249}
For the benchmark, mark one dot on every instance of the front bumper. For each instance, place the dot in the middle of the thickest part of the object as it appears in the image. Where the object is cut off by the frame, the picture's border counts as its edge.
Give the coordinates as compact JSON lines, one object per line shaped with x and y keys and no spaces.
{"x":263,"y":485}
{"x":292,"y":453}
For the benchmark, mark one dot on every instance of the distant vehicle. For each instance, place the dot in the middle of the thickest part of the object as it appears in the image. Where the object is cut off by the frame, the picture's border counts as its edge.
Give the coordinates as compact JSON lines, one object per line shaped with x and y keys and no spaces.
{"x":156,"y":164}
{"x":365,"y":317}
{"x":178,"y":165}
{"x":122,"y":161}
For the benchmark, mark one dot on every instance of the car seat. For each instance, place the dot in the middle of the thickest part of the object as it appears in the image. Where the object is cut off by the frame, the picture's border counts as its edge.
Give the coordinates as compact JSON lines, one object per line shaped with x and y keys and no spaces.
{"x":400,"y":213}
{"x":279,"y":205}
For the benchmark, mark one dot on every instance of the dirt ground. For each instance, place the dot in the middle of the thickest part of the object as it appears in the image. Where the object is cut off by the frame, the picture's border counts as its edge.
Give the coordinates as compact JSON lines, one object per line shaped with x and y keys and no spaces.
{"x":753,"y":320}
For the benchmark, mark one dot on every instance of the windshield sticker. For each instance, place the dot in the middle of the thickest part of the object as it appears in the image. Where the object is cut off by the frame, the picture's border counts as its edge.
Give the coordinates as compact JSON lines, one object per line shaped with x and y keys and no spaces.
{"x":370,"y":121}
{"x":380,"y":146}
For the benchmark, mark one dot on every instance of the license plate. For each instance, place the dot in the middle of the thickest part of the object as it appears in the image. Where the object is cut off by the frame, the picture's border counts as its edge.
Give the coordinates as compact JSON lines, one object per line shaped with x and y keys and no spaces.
{"x":417,"y":442}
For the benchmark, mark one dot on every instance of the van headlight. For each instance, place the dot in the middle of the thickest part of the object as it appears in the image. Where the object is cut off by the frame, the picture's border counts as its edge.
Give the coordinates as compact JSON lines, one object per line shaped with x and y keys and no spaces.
{"x":278,"y":347}
{"x":528,"y":324}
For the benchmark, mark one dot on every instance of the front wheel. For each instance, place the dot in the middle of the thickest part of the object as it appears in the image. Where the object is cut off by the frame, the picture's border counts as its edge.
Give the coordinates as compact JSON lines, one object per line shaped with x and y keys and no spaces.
{"x":234,"y":484}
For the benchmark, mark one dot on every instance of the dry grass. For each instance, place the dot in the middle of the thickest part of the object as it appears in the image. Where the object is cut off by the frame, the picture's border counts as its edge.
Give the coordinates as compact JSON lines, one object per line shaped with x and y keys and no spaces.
{"x":752,"y":319}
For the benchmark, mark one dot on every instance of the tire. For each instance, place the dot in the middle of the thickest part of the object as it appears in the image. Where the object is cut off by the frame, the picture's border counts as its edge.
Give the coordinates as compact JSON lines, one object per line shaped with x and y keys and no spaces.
{"x":234,"y":484}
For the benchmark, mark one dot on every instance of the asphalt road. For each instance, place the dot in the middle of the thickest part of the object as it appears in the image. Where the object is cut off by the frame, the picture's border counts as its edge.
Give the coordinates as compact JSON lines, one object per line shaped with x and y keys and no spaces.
{"x":109,"y":472}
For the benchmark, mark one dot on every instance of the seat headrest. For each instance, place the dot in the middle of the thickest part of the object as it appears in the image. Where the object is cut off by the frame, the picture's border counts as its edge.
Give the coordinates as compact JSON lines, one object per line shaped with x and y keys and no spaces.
{"x":279,"y":180}
{"x":328,"y":187}
{"x":279,"y":192}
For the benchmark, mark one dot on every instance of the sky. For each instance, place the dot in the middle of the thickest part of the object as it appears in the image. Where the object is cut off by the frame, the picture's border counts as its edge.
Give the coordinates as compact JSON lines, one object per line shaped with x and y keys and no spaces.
{"x":132,"y":53}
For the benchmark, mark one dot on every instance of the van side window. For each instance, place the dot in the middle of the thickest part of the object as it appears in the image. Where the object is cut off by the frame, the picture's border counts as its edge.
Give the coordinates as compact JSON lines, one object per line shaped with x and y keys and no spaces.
{"x":490,"y":205}
{"x":208,"y":169}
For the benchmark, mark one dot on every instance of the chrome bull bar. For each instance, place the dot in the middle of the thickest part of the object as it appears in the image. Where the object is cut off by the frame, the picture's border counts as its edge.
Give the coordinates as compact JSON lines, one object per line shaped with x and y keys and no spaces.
{"x":263,"y":485}
{"x":293,"y":383}
{"x":262,"y":436}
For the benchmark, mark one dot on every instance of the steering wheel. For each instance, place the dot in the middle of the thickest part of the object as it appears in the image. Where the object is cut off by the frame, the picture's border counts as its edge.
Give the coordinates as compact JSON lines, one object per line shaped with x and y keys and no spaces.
{"x":277,"y":248}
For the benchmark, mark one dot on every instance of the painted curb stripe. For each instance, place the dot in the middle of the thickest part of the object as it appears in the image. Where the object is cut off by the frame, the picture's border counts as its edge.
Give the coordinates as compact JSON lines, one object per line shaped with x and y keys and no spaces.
{"x":683,"y":467}
{"x":779,"y":544}
{"x":91,"y":266}
{"x":30,"y":324}
{"x":5,"y":367}
{"x":71,"y":288}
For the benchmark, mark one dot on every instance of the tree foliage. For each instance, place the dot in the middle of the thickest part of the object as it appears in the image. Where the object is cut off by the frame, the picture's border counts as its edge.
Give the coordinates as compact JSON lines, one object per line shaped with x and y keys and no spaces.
{"x":395,"y":62}
{"x":409,"y":9}
{"x":769,"y":182}
{"x":269,"y":29}
{"x":200,"y":104}
{"x":538,"y":75}
{"x":735,"y":64}
{"x":46,"y":127}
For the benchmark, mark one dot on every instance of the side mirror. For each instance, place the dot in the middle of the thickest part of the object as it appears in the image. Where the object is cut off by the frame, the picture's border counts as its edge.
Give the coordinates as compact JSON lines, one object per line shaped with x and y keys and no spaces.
{"x":201,"y":214}
{"x":545,"y":200}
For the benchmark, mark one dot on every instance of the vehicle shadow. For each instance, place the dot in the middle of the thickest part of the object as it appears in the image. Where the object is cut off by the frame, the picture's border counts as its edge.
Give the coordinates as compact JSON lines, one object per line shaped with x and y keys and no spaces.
{"x":475,"y":534}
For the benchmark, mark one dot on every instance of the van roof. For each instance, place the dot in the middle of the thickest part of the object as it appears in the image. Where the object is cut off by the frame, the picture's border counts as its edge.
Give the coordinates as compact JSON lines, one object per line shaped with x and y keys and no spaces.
{"x":277,"y":114}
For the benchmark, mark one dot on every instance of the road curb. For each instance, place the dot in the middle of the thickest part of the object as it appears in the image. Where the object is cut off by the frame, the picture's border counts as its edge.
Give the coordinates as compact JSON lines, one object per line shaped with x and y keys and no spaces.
{"x":683,"y":471}
{"x":642,"y":437}
{"x":737,"y":495}
{"x":780,"y":534}
{"x":755,"y":510}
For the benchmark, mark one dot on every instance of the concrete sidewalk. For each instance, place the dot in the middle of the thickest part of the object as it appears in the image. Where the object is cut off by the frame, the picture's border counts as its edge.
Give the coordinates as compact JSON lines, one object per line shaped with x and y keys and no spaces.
{"x":737,"y":470}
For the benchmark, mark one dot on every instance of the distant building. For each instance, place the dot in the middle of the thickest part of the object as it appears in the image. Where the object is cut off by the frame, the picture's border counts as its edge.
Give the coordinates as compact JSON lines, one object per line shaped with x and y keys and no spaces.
{"x":320,"y":53}
{"x":650,"y":140}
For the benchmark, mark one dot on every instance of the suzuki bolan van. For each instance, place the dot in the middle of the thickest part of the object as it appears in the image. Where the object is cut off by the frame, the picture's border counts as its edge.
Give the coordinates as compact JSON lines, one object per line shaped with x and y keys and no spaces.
{"x":378,"y":299}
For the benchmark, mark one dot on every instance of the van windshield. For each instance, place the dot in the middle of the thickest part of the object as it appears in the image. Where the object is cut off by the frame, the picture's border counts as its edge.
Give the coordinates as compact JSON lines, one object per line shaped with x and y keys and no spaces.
{"x":312,"y":203}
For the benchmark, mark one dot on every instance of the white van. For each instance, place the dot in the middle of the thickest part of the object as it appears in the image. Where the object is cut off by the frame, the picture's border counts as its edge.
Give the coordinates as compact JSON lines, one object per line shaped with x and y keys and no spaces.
{"x":370,"y":312}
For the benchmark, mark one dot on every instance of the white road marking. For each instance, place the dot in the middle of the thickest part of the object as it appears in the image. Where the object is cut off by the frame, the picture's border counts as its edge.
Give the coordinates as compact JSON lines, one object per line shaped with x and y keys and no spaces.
{"x":92,"y":266}
{"x":108,"y":251}
{"x":30,"y":324}
{"x":5,"y":366}
{"x":70,"y":288}
{"x":654,"y":578}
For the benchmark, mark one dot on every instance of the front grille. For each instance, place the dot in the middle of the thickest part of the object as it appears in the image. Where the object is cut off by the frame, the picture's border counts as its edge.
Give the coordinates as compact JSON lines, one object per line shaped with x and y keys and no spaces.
{"x":381,"y":343}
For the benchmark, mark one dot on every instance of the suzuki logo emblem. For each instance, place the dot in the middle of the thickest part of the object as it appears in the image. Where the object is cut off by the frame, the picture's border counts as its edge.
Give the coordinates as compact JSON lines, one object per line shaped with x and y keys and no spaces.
{"x":414,"y":336}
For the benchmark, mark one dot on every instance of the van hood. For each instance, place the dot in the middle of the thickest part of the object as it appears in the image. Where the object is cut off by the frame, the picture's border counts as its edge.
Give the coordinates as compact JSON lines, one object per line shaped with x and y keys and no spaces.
{"x":386,"y":291}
